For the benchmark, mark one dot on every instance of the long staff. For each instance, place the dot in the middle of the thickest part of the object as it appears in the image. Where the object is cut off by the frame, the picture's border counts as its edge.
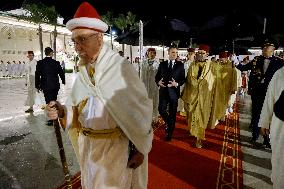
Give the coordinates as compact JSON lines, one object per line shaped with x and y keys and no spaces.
{"x":62,"y":154}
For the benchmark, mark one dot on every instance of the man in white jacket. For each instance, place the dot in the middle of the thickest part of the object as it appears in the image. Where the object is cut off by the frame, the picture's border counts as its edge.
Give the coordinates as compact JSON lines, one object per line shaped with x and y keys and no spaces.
{"x":272,"y":120}
{"x":30,"y":81}
{"x":107,"y":111}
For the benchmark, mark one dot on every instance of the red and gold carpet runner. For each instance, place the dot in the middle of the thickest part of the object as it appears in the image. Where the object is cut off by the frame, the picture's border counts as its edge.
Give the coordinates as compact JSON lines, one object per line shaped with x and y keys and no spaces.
{"x":179,"y":165}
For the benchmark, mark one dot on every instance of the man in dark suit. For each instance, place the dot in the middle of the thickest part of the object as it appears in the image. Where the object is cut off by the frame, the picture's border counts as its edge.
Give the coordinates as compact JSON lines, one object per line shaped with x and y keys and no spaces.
{"x":169,"y":78}
{"x":46,"y":77}
{"x":262,"y":70}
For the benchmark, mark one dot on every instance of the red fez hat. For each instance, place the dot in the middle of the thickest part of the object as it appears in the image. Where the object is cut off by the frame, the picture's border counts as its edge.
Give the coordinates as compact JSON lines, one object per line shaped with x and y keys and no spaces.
{"x":87,"y":17}
{"x":191,"y":50}
{"x":204,"y":47}
{"x":223,"y":55}
{"x":151,"y":49}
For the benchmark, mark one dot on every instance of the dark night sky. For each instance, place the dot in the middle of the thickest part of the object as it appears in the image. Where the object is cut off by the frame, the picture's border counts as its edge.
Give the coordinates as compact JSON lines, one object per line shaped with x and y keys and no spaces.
{"x":193,"y":12}
{"x":244,"y":18}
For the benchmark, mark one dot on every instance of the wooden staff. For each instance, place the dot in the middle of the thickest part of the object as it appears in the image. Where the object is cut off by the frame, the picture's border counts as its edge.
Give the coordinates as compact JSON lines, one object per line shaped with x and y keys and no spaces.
{"x":62,"y":154}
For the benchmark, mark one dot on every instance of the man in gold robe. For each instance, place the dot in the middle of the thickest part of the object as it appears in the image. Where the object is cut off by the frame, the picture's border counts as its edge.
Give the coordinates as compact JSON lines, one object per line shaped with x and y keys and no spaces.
{"x":198,"y":94}
{"x":226,"y":85}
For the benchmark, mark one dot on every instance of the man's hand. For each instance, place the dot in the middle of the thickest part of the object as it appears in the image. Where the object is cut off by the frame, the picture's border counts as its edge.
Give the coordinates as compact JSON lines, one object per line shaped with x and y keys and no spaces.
{"x":264,"y":131}
{"x":54,"y":110}
{"x":161,"y":83}
{"x":136,"y":160}
{"x":172,"y":83}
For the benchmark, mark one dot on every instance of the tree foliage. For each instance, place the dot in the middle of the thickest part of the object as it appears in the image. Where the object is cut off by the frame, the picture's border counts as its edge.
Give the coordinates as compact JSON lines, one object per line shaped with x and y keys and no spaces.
{"x":108,"y":18}
{"x":39,"y":13}
{"x":125,"y":23}
{"x":121,"y":22}
{"x":131,"y":21}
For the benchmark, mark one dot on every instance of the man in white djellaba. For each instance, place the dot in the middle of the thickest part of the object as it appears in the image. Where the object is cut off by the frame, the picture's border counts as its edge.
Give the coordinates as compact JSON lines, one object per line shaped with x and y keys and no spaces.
{"x":107,"y":111}
{"x":149,"y":70}
{"x":30,"y":82}
{"x":272,"y":120}
{"x":14,"y":69}
{"x":190,"y":59}
{"x":9,"y":69}
{"x":2,"y":69}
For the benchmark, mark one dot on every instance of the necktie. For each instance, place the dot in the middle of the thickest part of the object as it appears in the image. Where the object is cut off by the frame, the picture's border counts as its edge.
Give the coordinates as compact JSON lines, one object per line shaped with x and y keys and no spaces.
{"x":171,"y":65}
{"x":170,"y":72}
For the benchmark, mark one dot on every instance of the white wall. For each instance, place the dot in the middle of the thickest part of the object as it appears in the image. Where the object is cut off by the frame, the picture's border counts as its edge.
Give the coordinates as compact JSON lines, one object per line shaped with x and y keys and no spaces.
{"x":135,"y":52}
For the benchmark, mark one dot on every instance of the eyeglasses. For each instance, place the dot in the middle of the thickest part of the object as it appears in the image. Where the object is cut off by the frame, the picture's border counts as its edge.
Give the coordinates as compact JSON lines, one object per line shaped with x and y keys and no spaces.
{"x":81,"y":40}
{"x":201,"y":53}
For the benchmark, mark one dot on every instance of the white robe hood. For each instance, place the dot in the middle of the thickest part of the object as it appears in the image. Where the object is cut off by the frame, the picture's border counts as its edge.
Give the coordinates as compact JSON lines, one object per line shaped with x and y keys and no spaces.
{"x":122,"y":92}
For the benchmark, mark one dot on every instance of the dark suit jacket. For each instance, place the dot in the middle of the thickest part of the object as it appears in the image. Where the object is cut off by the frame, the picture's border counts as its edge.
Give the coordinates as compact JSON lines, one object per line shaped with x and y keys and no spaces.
{"x":46,"y":75}
{"x":178,"y":74}
{"x":257,"y":73}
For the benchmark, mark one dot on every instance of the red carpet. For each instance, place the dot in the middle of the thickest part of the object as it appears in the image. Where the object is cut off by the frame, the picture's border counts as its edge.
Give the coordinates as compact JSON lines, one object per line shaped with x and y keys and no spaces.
{"x":179,"y":165}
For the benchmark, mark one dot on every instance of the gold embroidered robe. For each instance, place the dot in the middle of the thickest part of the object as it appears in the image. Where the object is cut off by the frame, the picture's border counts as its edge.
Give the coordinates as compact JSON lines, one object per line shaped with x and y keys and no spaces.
{"x":198,"y":96}
{"x":226,"y":85}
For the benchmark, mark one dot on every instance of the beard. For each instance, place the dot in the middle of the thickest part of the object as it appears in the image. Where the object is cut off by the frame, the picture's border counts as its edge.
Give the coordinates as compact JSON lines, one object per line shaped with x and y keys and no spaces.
{"x":84,"y":58}
{"x":200,"y":57}
{"x":83,"y":61}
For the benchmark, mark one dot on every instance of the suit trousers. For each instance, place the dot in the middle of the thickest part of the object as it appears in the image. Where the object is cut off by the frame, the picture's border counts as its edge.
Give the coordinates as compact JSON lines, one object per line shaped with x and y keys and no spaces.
{"x":168,"y":109}
{"x":257,"y":99}
{"x":50,"y":95}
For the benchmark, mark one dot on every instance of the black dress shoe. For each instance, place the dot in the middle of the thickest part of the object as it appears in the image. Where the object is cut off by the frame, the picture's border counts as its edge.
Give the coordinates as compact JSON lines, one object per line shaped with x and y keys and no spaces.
{"x":168,"y":137}
{"x":29,"y":110}
{"x":166,"y":129}
{"x":267,"y":145}
{"x":253,"y":142}
{"x":49,"y":123}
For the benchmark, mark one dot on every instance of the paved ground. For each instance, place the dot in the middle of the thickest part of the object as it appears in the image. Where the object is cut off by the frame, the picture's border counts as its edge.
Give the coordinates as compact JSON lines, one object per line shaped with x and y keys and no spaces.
{"x":256,"y":160}
{"x":29,"y":157}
